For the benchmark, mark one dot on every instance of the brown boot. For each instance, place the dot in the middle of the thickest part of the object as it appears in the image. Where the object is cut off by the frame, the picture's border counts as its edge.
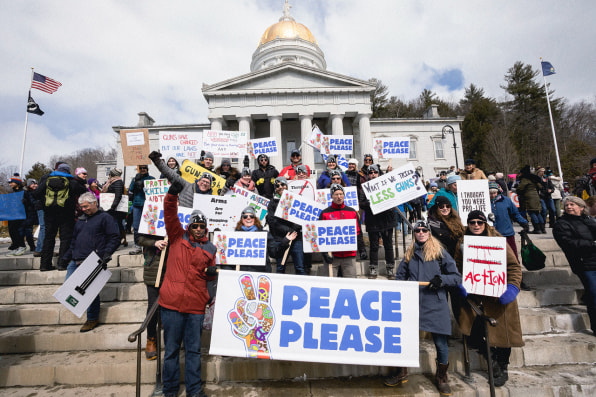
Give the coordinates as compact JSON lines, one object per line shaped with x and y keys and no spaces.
{"x":441,"y":379}
{"x":151,"y":350}
{"x":399,"y":378}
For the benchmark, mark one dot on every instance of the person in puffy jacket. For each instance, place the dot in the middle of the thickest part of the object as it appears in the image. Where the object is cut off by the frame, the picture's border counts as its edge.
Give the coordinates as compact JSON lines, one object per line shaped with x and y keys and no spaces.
{"x":264,"y":177}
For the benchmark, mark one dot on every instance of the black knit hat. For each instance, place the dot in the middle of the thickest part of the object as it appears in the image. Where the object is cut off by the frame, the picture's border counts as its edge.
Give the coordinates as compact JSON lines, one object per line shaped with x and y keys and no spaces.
{"x":476,"y":214}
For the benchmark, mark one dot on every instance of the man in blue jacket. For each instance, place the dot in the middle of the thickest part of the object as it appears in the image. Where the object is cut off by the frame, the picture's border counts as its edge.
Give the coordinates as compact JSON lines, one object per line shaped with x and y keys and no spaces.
{"x":96,"y":231}
{"x":450,"y":192}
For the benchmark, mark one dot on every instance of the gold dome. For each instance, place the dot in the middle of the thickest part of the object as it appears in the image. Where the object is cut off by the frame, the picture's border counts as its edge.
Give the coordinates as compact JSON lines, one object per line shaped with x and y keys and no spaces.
{"x":287,"y":29}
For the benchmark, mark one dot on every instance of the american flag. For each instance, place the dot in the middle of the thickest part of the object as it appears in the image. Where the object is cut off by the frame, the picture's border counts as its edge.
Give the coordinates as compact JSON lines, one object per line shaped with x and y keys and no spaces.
{"x":44,"y":83}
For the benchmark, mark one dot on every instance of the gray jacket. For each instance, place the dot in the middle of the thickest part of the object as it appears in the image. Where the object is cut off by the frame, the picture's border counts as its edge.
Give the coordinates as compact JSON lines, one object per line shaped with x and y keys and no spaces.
{"x":186,"y":197}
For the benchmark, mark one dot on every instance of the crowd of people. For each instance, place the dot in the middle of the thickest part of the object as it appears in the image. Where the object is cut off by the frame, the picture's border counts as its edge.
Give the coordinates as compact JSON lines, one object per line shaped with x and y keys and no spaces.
{"x":68,"y":204}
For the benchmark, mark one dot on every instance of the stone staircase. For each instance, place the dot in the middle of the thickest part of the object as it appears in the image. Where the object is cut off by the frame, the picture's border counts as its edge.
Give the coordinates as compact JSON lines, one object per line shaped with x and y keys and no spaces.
{"x":42,"y":352}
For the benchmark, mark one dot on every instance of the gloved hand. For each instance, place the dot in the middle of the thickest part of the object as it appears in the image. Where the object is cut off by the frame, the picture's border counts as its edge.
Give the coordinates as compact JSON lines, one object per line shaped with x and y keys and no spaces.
{"x":509,"y":295}
{"x":272,"y":181}
{"x":261,"y":181}
{"x":229,"y":183}
{"x":154,"y":156}
{"x":462,"y":290}
{"x":526,"y":228}
{"x":435,"y":283}
{"x":175,"y":188}
{"x":104,"y":262}
{"x":211,"y":271}
{"x":327,"y":258}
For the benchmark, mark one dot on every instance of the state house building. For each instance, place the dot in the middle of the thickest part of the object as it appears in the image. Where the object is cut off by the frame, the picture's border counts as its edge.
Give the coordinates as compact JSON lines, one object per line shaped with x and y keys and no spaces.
{"x":288,"y":90}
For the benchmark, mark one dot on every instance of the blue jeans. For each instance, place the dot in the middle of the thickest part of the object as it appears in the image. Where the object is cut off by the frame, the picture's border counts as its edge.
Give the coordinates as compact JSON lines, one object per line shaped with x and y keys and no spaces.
{"x":297,"y":256}
{"x":442,"y":348}
{"x":136,"y":221}
{"x":178,"y":327}
{"x":588,"y":279}
{"x":549,"y":205}
{"x":93,"y":310}
{"x":42,"y":231}
{"x":536,"y":217}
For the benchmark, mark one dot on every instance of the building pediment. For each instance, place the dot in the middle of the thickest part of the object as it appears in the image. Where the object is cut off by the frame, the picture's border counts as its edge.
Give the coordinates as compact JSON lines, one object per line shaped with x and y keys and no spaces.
{"x":287,"y":78}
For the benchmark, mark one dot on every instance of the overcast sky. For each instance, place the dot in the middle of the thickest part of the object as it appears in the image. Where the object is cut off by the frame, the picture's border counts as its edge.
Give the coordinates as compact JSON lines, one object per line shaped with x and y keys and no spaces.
{"x":118,"y":58}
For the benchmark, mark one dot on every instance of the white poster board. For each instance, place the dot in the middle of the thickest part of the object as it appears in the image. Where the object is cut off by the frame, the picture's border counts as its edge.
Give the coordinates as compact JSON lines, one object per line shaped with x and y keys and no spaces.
{"x":180,"y":145}
{"x":330,"y":236}
{"x":303,"y":187}
{"x":222,"y":212}
{"x":240,"y":248}
{"x":485,"y":265}
{"x":259,"y":203}
{"x":152,"y":219}
{"x":225,"y":143}
{"x":73,"y":299}
{"x":298,"y":209}
{"x":315,"y":139}
{"x":316,"y":319}
{"x":337,"y":144}
{"x":106,"y":200}
{"x":394,"y":188}
{"x":473,"y":195}
{"x":266,"y":146}
{"x":350,"y":197}
{"x":392,"y":148}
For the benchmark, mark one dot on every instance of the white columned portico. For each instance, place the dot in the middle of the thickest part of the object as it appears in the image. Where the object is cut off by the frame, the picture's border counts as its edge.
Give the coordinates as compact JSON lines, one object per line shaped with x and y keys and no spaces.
{"x":308,"y":155}
{"x":337,"y":125}
{"x":217,"y":124}
{"x":275,"y":132}
{"x":244,"y":125}
{"x":366,"y":144}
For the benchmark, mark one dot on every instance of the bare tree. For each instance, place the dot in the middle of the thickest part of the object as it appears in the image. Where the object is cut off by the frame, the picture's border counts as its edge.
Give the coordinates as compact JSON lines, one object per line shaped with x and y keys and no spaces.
{"x":499,"y":151}
{"x":86,"y":158}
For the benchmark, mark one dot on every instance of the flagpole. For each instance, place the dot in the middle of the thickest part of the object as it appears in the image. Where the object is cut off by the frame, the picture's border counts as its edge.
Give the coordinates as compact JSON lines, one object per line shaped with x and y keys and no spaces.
{"x":552,"y":123}
{"x":25,"y":133}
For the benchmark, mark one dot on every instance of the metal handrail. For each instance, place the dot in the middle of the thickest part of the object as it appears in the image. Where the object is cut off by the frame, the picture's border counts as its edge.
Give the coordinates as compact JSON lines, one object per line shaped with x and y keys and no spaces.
{"x":135,"y":337}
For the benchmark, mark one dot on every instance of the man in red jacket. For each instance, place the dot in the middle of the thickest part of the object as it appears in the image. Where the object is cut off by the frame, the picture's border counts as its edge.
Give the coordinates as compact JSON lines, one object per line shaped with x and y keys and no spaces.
{"x":290,"y":172}
{"x":183,"y":295}
{"x":338,"y":210}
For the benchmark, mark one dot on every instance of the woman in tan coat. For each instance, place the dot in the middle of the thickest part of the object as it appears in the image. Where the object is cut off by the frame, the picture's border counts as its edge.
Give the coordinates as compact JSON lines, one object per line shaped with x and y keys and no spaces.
{"x":507,"y":333}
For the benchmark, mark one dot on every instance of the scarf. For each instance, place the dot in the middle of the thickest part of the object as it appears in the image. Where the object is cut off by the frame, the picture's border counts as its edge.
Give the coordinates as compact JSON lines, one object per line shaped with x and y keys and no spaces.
{"x":253,"y":228}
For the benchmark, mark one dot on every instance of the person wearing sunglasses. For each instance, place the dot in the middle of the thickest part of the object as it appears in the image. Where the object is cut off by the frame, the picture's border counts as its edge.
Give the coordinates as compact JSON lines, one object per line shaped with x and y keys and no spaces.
{"x":507,"y":333}
{"x":183,"y":294}
{"x":445,"y":224}
{"x":324,"y":180}
{"x":427,"y":260}
{"x":264,"y":176}
{"x":291,"y":171}
{"x":450,"y":192}
{"x":378,"y":226}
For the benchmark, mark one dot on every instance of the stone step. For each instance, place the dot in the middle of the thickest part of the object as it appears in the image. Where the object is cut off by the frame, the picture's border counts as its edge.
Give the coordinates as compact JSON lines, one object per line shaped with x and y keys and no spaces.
{"x":551,"y":296}
{"x":35,"y":277}
{"x":559,"y":380}
{"x":551,"y":276}
{"x":115,"y":367}
{"x":44,"y":293}
{"x":556,"y":319}
{"x":32,"y":314}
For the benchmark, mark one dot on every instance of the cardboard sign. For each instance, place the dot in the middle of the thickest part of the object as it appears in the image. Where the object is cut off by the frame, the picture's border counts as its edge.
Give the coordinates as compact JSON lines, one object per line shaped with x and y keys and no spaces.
{"x":266,"y":146}
{"x":11,"y":206}
{"x":225,"y":143}
{"x":191,"y":172}
{"x":316,"y":319}
{"x":394,"y":188}
{"x":315,"y":139}
{"x":330,"y":236}
{"x":222,"y":212}
{"x":71,"y":297}
{"x":298,"y":209}
{"x":135,"y":146}
{"x":392,"y":148}
{"x":337,"y":144}
{"x":323,"y":196}
{"x":106,"y":200}
{"x":240,"y":248}
{"x":303,"y":187}
{"x":473,"y":195}
{"x":180,"y":145}
{"x":342,"y":162}
{"x":485,"y":265}
{"x":259,"y":203}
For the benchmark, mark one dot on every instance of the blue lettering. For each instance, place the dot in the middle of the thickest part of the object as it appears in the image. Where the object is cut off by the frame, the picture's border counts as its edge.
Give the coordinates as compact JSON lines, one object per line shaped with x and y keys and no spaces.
{"x":392,"y":340}
{"x":368,"y":298}
{"x":346,"y":305}
{"x":329,"y":336}
{"x":294,"y":298}
{"x":289,"y":332}
{"x":351,"y":339}
{"x":309,"y":341}
{"x":319,"y":302}
{"x":232,"y":242}
{"x":371,"y":335}
{"x":391,"y":306}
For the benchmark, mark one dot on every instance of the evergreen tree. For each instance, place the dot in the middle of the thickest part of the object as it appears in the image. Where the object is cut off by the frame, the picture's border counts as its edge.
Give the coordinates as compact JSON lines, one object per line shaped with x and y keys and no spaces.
{"x":37,"y":171}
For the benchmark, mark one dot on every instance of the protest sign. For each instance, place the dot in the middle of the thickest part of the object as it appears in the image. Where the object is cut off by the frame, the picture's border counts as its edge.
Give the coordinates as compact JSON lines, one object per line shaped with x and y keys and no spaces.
{"x":180,"y":145}
{"x":266,"y":146}
{"x":515,"y":198}
{"x":298,"y":209}
{"x":485,"y":265}
{"x":11,"y":206}
{"x":225,"y":143}
{"x":152,"y":217}
{"x":330,"y":236}
{"x":341,"y":161}
{"x":337,"y":144}
{"x":393,"y":188}
{"x":316,"y":319}
{"x":191,"y":172}
{"x":472,"y":195}
{"x":135,"y":146}
{"x":72,"y":293}
{"x":302,"y":187}
{"x":392,"y":148}
{"x":240,"y":248}
{"x":106,"y":200}
{"x":315,"y":139}
{"x":156,"y":189}
{"x":222,"y":212}
{"x":259,"y":203}
{"x":323,"y":196}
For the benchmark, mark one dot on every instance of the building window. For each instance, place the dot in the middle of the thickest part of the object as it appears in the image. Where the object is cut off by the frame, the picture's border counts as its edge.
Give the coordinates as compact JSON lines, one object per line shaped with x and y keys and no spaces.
{"x":439,"y":152}
{"x":413,"y":154}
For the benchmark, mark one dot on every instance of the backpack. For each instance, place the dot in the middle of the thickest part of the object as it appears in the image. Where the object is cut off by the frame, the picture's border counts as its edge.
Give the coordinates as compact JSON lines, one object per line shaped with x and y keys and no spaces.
{"x":57,"y":191}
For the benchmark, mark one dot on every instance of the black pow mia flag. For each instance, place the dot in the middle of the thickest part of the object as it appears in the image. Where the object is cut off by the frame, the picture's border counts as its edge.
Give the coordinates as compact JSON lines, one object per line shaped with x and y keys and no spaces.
{"x":33,"y":107}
